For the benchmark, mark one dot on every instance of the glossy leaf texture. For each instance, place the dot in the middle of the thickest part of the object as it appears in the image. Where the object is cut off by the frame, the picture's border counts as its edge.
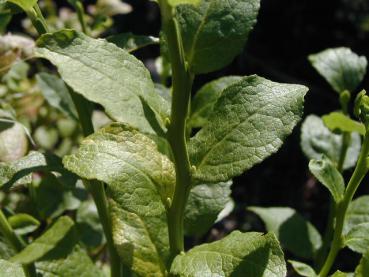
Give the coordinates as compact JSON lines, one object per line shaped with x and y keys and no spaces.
{"x":295,"y":233}
{"x":340,"y":67}
{"x":303,"y":269}
{"x":248,"y":124}
{"x":131,"y":42}
{"x":18,"y":172}
{"x":327,"y":174}
{"x":317,"y":139}
{"x":215,"y":31}
{"x":108,"y":75}
{"x":238,"y":254}
{"x":204,"y":204}
{"x":139,"y":179}
{"x":56,"y":93}
{"x":205,"y":99}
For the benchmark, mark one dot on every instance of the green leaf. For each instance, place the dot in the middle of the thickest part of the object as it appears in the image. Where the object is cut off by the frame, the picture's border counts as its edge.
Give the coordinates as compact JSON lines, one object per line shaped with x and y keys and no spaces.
{"x":215,"y":32}
{"x":13,"y":141}
{"x":88,"y":225}
{"x":11,"y":269}
{"x":357,"y":213}
{"x":343,"y":274}
{"x":23,"y":223}
{"x":340,"y":67}
{"x":329,"y":176}
{"x":131,"y":42}
{"x":52,"y":198}
{"x":249,"y":123}
{"x":112,"y":7}
{"x":108,"y":75}
{"x":357,"y":238}
{"x":362,"y":270}
{"x":180,"y":2}
{"x":337,"y":121}
{"x":205,"y":99}
{"x":71,"y":263}
{"x":6,"y":251}
{"x":204,"y":204}
{"x":303,"y":269}
{"x":26,"y":5}
{"x":63,"y":229}
{"x":56,"y":93}
{"x":238,"y":254}
{"x":18,"y":172}
{"x":316,"y":140}
{"x":295,"y":233}
{"x":139,"y":180}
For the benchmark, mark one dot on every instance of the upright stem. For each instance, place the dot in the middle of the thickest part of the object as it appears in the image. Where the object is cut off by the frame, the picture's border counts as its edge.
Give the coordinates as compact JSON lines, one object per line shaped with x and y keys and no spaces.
{"x":81,"y":16}
{"x":182,"y":84}
{"x":328,"y":235}
{"x":16,"y":243}
{"x":38,"y":19}
{"x":96,"y":188}
{"x":356,"y":178}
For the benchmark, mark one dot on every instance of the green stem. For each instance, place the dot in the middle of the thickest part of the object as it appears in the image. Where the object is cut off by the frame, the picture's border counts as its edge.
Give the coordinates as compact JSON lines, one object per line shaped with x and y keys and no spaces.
{"x":16,"y":243}
{"x":81,"y":16}
{"x":346,"y":140}
{"x":182,"y":85}
{"x":361,"y":170}
{"x":96,"y":188}
{"x":38,"y":20}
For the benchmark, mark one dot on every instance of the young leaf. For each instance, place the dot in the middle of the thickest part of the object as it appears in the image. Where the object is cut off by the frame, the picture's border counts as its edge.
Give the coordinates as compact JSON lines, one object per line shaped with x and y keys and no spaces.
{"x":6,"y":251}
{"x":342,"y":274}
{"x":108,"y":75}
{"x":56,"y":93}
{"x":238,"y":254}
{"x":139,"y":177}
{"x":249,"y":123}
{"x":205,"y":99}
{"x":26,"y":5}
{"x":63,"y":229}
{"x":215,"y":32}
{"x":11,"y":269}
{"x":362,"y":270}
{"x":337,"y":121}
{"x":295,"y":233}
{"x":357,"y":213}
{"x":329,"y":176}
{"x":204,"y":204}
{"x":340,"y":67}
{"x":357,"y":238}
{"x":316,"y":139}
{"x":23,"y":223}
{"x":131,"y":42}
{"x":303,"y":269}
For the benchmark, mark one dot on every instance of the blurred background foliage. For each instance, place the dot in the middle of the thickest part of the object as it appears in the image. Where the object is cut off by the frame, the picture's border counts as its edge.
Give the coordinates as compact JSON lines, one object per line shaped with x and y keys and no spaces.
{"x":286,"y":33}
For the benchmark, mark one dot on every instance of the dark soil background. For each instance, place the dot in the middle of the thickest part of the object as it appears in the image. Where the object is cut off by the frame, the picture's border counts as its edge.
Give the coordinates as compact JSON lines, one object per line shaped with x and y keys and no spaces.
{"x":286,"y":33}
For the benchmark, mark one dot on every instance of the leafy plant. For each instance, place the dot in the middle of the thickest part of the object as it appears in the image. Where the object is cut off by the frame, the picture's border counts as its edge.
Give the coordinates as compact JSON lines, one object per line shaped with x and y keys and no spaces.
{"x":334,"y":143}
{"x":163,"y":168}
